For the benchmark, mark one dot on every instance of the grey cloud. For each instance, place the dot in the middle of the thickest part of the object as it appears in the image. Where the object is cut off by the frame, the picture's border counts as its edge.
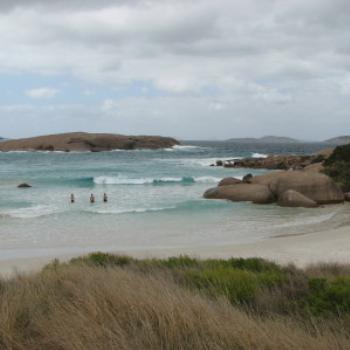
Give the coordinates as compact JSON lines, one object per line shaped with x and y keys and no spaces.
{"x":271,"y":54}
{"x":64,"y":5}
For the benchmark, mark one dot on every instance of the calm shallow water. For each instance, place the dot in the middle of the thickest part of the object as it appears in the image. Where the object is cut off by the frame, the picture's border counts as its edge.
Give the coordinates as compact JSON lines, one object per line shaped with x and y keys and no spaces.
{"x":155,"y":201}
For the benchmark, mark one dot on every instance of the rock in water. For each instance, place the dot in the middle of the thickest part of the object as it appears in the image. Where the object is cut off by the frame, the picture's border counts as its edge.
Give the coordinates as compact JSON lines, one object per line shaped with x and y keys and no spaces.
{"x":292,"y":198}
{"x":229,"y":181}
{"x":259,"y":194}
{"x":24,"y":185}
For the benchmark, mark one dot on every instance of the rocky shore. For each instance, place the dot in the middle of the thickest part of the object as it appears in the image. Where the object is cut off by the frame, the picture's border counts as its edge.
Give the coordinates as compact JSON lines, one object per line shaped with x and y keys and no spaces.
{"x":286,"y":188}
{"x":278,"y":162}
{"x":298,"y":181}
{"x":87,"y":142}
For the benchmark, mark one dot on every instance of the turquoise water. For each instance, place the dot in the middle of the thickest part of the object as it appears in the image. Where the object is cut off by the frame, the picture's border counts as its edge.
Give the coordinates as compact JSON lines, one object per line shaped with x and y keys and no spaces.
{"x":155,"y":201}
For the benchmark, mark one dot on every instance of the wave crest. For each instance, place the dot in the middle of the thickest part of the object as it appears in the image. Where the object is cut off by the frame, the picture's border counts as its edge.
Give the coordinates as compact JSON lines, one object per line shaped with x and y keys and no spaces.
{"x":185,"y":180}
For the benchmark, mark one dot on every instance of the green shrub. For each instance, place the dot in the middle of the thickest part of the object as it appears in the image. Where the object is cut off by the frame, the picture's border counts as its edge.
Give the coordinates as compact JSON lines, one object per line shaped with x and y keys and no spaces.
{"x":337,"y":166}
{"x":103,"y":259}
{"x":237,"y":285}
{"x":329,"y":297}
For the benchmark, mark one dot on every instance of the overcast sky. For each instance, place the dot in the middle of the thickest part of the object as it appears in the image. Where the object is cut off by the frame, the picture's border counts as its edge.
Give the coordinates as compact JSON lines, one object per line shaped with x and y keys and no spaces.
{"x":193,"y":69}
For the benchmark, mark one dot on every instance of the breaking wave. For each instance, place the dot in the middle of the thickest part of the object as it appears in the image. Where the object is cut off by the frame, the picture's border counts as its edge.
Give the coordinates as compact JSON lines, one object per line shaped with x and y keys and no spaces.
{"x":259,"y":155}
{"x":185,"y":180}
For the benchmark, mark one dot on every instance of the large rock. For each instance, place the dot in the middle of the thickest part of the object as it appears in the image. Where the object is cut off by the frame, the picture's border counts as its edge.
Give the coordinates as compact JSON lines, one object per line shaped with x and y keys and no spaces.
{"x":292,"y":198}
{"x":315,"y":168}
{"x":80,"y":141}
{"x":259,"y":194}
{"x":229,"y":181}
{"x":318,"y":187}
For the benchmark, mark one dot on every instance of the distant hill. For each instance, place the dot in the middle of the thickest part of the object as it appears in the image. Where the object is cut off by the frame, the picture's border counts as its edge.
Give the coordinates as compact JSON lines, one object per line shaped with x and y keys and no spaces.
{"x":264,"y":139}
{"x":340,"y":140}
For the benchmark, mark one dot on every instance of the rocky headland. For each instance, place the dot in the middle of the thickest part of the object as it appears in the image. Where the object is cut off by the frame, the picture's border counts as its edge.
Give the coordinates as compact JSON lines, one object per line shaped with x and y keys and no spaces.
{"x":298,"y":181}
{"x":87,"y":142}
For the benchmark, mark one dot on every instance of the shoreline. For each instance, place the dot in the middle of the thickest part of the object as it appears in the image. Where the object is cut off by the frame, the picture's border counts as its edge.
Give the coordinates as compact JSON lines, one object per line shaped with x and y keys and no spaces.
{"x":325,"y":246}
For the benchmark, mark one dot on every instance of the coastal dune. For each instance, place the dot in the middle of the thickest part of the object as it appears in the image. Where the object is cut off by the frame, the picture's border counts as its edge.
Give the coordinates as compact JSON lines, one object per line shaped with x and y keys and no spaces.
{"x":87,"y":142}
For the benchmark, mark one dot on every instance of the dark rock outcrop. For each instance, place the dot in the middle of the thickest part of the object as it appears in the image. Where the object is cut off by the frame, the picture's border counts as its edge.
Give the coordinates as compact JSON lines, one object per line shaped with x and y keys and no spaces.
{"x":280,"y":162}
{"x":247,"y":178}
{"x":92,"y":142}
{"x":292,"y":198}
{"x":24,"y":185}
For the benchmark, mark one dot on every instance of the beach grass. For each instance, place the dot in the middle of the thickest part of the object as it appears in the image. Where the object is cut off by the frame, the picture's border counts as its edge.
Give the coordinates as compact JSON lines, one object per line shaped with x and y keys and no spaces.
{"x":106,"y":301}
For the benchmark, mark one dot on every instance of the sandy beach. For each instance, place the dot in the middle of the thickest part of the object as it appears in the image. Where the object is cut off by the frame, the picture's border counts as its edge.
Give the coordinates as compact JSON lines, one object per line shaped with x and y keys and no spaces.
{"x":329,"y":246}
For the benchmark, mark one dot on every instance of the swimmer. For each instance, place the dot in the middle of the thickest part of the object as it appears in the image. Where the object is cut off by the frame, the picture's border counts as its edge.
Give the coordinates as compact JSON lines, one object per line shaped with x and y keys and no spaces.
{"x":105,"y":198}
{"x":92,"y":198}
{"x":72,"y":198}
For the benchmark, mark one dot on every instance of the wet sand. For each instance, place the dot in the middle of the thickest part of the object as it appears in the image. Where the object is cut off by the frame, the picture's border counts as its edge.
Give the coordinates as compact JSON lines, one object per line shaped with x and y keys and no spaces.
{"x":303,"y":249}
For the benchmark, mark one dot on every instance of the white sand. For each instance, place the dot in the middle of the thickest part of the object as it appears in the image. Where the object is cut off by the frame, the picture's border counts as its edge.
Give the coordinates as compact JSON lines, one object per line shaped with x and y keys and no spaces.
{"x":323,"y":246}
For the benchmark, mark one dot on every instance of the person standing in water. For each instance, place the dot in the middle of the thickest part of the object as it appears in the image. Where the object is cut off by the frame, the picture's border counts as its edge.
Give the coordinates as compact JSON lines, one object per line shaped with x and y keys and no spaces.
{"x":92,"y":198}
{"x":105,"y":198}
{"x":72,"y":198}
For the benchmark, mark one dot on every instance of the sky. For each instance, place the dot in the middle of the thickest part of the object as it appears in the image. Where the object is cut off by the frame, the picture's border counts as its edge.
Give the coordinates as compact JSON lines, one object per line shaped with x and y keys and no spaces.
{"x":192,"y":69}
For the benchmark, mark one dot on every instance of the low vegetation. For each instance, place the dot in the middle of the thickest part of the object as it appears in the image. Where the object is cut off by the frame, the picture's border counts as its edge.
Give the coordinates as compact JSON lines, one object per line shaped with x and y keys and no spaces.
{"x":105,"y":301}
{"x":337,"y":166}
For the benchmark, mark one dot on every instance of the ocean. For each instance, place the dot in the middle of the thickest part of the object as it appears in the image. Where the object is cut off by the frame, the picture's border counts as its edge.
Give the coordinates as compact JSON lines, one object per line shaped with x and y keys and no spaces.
{"x":155,"y":201}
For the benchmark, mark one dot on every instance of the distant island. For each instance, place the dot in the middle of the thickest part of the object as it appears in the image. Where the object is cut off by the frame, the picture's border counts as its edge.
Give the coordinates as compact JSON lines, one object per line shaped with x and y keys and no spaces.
{"x":340,"y":140}
{"x":336,"y":141}
{"x":264,"y":139}
{"x":87,"y":142}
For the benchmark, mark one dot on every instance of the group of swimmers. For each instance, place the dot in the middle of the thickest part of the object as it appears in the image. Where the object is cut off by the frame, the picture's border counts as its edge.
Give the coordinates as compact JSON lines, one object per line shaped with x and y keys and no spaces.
{"x":92,"y":198}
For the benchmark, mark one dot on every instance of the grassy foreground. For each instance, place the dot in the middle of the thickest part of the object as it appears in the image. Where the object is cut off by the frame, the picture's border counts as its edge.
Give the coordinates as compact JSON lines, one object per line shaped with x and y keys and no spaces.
{"x":104,"y":301}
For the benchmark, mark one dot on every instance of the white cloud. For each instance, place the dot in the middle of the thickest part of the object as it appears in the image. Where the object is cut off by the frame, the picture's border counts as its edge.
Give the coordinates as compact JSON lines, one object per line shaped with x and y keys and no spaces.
{"x":109,"y":105}
{"x":42,"y":93}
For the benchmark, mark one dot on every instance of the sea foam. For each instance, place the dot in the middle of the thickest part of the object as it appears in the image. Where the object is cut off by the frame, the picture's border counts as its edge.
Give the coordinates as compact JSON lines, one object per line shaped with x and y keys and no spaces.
{"x":30,"y":212}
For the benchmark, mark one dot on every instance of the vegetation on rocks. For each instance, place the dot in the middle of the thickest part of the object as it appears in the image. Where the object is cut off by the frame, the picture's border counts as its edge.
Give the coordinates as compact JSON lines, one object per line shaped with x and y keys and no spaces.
{"x":337,"y":166}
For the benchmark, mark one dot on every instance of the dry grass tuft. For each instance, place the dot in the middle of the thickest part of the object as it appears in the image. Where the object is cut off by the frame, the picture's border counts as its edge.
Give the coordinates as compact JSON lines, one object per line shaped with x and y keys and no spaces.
{"x":86,"y":307}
